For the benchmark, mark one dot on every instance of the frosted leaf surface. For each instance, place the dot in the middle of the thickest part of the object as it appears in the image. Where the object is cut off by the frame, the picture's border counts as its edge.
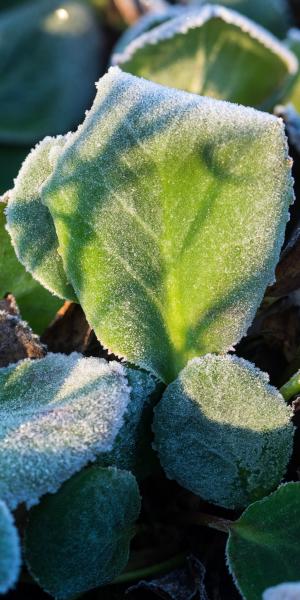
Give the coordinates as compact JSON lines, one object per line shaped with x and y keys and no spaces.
{"x":78,"y":538}
{"x":132,"y":448}
{"x":47,"y":95}
{"x":29,"y":222}
{"x":10,"y":552}
{"x":223,"y":432}
{"x":273,"y":14}
{"x":170,"y":210}
{"x":56,"y":415}
{"x":37,"y":305}
{"x":214,"y":52}
{"x":284,"y":591}
{"x":263,"y":547}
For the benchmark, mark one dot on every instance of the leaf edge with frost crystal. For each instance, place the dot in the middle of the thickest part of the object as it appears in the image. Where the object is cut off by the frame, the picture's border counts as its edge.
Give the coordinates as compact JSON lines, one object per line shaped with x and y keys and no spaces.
{"x":135,"y":58}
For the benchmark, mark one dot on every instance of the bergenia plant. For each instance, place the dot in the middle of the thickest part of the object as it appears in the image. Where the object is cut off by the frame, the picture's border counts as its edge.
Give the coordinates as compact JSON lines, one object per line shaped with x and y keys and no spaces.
{"x":163,"y":215}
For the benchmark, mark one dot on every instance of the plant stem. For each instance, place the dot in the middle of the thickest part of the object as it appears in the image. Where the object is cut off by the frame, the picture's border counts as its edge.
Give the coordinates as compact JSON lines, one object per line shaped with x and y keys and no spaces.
{"x":198,"y":518}
{"x":156,"y":569}
{"x":292,"y":387}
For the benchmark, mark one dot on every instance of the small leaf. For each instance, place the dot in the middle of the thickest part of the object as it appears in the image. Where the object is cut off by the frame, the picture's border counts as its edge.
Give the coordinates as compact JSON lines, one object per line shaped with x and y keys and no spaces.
{"x":223,"y":432}
{"x":56,"y":414}
{"x":78,"y":539}
{"x":63,"y":39}
{"x":37,"y":305}
{"x":214,"y":52}
{"x":263,"y":548}
{"x":29,"y":222}
{"x":132,"y":447}
{"x":10,"y":552}
{"x":170,"y":250}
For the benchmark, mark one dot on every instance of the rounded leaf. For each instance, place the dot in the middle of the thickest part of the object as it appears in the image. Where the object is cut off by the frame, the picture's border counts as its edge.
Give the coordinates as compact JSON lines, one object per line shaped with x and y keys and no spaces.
{"x":56,"y":415}
{"x":78,"y":539}
{"x":263,"y":549}
{"x":223,"y":432}
{"x":10,"y":551}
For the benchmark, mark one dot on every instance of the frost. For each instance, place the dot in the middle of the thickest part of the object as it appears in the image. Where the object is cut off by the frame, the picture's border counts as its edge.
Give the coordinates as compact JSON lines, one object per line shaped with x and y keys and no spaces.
{"x":10,"y":552}
{"x":29,"y":222}
{"x":223,"y":432}
{"x":56,"y":415}
{"x":170,"y":211}
{"x":194,"y":50}
{"x":284,"y":591}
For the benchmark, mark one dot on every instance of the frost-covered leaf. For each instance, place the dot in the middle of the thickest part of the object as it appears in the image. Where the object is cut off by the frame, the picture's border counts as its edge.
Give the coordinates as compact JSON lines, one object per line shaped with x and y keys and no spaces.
{"x":283,"y":591}
{"x":272,"y":14}
{"x":132,"y":448}
{"x":56,"y":414}
{"x":78,"y":539}
{"x":36,"y":304}
{"x":29,"y":222}
{"x":263,"y":548}
{"x":10,"y":552}
{"x":47,"y":95}
{"x":223,"y":432}
{"x":170,"y":211}
{"x":293,"y":43}
{"x":214,"y":52}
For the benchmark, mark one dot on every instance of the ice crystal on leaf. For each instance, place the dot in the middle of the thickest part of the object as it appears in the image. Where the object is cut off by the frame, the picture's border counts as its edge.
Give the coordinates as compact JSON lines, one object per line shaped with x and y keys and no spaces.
{"x":56,"y":414}
{"x":283,"y":591}
{"x":223,"y":432}
{"x":36,"y":245}
{"x":10,"y":552}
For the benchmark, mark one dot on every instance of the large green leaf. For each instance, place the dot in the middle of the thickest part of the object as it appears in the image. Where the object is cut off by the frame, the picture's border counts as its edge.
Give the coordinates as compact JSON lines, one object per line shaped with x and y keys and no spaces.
{"x":36,"y":245}
{"x":56,"y":414}
{"x":264,"y":544}
{"x":10,"y":552}
{"x":170,"y":211}
{"x":78,"y":539}
{"x":213,"y":52}
{"x":36,"y":304}
{"x":49,"y":55}
{"x":223,"y":432}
